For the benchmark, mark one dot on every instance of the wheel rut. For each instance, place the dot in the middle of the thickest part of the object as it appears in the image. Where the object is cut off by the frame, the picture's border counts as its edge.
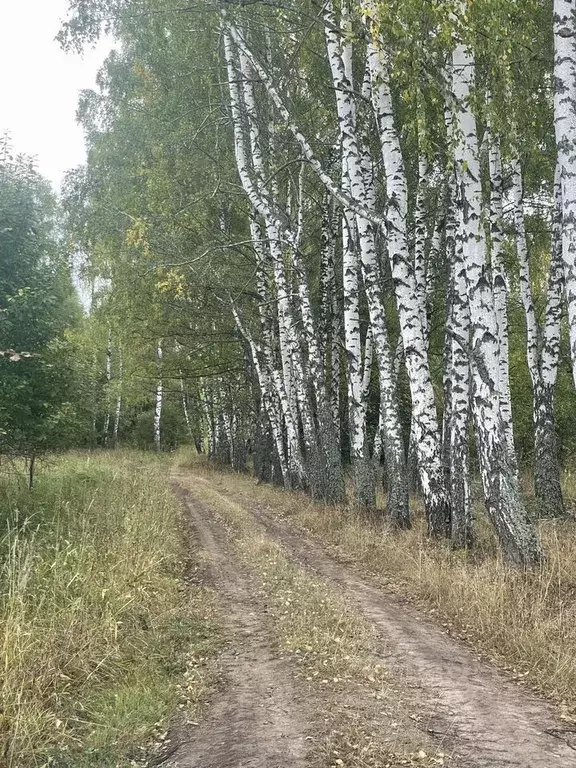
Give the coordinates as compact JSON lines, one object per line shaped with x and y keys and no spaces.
{"x":259,"y":719}
{"x":488,"y":720}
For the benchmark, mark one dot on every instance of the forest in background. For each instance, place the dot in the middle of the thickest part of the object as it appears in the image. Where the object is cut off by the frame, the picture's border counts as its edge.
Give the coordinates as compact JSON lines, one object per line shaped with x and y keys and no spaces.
{"x":313,"y":237}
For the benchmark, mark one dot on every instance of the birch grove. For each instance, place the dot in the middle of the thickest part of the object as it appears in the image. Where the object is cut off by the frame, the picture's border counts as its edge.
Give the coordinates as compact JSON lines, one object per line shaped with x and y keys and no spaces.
{"x":373,"y":235}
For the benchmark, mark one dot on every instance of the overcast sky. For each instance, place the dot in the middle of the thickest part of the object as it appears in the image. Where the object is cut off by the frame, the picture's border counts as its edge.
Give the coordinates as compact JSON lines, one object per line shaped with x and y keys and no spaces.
{"x":39,"y":85}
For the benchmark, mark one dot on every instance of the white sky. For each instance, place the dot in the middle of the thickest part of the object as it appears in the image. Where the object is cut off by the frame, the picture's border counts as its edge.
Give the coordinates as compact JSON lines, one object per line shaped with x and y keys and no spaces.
{"x":39,"y":85}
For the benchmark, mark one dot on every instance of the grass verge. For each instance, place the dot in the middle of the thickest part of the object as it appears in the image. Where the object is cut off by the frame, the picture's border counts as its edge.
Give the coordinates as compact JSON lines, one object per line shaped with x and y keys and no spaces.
{"x":101,"y":640}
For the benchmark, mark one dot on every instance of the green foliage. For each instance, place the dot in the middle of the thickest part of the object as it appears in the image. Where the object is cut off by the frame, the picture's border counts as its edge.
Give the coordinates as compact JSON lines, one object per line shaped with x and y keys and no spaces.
{"x":171,"y":430}
{"x":37,"y":305}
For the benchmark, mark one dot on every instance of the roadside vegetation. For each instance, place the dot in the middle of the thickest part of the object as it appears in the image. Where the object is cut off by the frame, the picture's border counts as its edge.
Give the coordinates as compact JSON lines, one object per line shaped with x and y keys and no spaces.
{"x":101,"y":640}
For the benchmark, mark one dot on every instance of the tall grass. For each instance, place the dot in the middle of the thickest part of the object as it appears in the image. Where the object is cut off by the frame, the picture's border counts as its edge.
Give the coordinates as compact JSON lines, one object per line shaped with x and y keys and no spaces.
{"x":91,"y":613}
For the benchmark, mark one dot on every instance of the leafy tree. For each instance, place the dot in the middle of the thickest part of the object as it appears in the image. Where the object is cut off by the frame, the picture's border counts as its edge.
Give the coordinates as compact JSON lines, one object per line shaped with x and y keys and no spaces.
{"x":37,"y":306}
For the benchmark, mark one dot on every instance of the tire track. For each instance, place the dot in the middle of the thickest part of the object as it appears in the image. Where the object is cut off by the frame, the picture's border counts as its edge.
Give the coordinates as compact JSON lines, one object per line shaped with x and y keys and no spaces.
{"x":259,"y":719}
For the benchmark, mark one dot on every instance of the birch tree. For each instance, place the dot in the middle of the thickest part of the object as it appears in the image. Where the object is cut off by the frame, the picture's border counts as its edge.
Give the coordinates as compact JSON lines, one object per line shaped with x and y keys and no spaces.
{"x":500,"y":286}
{"x":159,"y":398}
{"x":565,"y":132}
{"x":500,"y":482}
{"x":542,"y":349}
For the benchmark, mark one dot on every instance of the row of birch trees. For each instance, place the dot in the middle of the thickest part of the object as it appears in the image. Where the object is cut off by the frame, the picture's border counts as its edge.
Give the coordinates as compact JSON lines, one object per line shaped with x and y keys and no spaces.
{"x":348,"y":212}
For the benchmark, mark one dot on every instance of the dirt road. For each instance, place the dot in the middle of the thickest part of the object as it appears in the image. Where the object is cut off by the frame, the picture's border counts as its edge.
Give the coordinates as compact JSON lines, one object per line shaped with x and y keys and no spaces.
{"x":265,"y":718}
{"x":258,"y":721}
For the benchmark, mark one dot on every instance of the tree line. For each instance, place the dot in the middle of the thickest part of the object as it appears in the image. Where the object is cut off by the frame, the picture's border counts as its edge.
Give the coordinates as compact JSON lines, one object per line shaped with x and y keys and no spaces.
{"x":327,"y":233}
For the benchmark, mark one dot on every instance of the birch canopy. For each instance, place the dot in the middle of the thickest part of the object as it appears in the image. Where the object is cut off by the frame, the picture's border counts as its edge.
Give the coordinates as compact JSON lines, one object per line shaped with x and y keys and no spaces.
{"x":356,"y":226}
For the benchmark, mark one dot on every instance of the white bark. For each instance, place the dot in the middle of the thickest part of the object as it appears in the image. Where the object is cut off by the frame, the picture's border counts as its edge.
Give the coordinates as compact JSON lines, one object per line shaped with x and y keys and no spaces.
{"x":500,"y":482}
{"x":565,"y":130}
{"x":500,"y":289}
{"x":106,"y":427}
{"x":407,"y":298}
{"x":420,"y":267}
{"x":208,"y":412}
{"x":458,"y":404}
{"x":330,"y":314}
{"x":118,"y":410}
{"x":359,"y":185}
{"x":185,"y":410}
{"x":158,"y":398}
{"x":226,"y":408}
{"x":365,"y":495}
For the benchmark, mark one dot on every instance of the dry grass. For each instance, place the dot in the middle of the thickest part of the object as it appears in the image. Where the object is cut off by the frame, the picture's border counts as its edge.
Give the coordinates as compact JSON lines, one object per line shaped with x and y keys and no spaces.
{"x":94,"y":624}
{"x":525,"y":621}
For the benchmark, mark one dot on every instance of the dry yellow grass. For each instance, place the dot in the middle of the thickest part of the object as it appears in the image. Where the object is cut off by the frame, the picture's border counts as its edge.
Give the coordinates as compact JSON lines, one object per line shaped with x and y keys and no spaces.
{"x":525,"y":621}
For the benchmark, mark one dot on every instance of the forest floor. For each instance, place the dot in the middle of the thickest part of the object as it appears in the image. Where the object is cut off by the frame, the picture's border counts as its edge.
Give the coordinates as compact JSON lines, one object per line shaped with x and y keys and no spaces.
{"x":326,"y":666}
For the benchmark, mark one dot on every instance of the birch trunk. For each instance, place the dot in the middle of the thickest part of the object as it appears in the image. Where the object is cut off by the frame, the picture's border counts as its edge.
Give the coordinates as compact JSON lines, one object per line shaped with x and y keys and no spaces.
{"x":106,"y":427}
{"x":158,"y":399}
{"x":208,"y":409}
{"x":500,"y":290}
{"x":330,"y":315}
{"x":459,"y":406}
{"x":457,"y":374}
{"x":542,"y":365}
{"x":335,"y":366}
{"x":565,"y":131}
{"x":500,"y":482}
{"x":420,"y":268}
{"x":119,"y":397}
{"x":340,"y":57}
{"x":326,"y":473}
{"x":547,"y":470}
{"x":227,"y":411}
{"x":185,"y":411}
{"x":427,"y":434}
{"x":363,"y":476}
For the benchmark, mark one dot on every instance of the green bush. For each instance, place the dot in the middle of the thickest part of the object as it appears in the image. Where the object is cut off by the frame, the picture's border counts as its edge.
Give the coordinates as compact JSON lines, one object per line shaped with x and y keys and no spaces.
{"x":171,"y":430}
